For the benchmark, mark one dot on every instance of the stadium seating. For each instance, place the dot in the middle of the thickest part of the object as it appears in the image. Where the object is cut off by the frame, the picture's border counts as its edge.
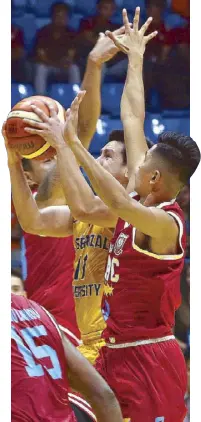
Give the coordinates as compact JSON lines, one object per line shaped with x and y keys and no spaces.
{"x":74,"y":21}
{"x":86,"y":7}
{"x":20,"y":91}
{"x":27,"y":23}
{"x":64,"y":93}
{"x":111,"y":97}
{"x":18,"y":7}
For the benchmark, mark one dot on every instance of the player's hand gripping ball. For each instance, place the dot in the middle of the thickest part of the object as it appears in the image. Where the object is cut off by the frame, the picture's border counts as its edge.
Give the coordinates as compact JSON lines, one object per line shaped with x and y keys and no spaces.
{"x":27,"y":145}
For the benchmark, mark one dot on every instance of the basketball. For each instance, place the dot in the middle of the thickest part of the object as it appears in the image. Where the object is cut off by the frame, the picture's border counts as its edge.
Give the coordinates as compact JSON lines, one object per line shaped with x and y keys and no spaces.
{"x":27,"y":145}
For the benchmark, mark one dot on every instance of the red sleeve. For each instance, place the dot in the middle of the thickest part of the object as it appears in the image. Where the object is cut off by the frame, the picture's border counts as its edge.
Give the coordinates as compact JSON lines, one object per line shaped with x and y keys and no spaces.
{"x":17,"y":38}
{"x":86,"y":25}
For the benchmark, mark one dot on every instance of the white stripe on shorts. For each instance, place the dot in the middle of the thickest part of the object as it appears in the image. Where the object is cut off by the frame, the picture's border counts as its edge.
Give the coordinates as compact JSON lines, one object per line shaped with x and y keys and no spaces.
{"x":140,"y":342}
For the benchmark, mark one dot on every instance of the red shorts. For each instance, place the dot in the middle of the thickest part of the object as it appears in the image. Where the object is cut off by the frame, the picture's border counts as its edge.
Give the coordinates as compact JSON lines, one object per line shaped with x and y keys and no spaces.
{"x":149,"y":381}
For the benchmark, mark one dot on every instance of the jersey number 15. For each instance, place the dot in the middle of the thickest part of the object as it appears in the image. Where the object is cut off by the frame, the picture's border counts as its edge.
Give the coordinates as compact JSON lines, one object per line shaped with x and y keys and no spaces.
{"x":32,"y":353}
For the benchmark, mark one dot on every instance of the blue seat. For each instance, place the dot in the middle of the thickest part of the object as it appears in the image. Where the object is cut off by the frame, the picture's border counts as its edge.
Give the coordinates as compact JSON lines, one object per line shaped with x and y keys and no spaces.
{"x":41,"y":22}
{"x":18,"y":7}
{"x":174,"y":20}
{"x":20,"y":91}
{"x":130,"y":5}
{"x":74,"y":21}
{"x":64,"y":93}
{"x":86,"y":7}
{"x":111,"y":97}
{"x":155,"y":124}
{"x":27,"y":23}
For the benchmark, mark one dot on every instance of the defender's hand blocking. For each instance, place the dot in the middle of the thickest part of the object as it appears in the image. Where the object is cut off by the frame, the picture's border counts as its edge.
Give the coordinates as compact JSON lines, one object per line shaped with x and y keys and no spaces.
{"x":50,"y":128}
{"x":71,"y":124}
{"x":134,"y":41}
{"x":105,"y":49}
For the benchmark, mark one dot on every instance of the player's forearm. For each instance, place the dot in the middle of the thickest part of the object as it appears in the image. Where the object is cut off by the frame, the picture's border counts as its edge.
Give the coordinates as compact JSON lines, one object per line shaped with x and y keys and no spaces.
{"x":90,"y":107}
{"x":105,"y":185}
{"x":78,"y":193}
{"x":50,"y":191}
{"x":132,"y":115}
{"x":133,"y":102}
{"x":26,"y":208}
{"x":106,"y":407}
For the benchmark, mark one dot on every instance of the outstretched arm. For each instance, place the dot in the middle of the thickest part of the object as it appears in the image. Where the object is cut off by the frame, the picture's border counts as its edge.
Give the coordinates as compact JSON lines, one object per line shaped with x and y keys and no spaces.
{"x":52,"y":221}
{"x":133,"y":102}
{"x":84,"y":205}
{"x":50,"y":191}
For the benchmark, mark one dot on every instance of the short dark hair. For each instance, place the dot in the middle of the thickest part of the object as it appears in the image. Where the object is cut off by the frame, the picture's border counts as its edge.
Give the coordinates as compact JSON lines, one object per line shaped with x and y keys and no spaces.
{"x":118,"y":135}
{"x":17,"y":273}
{"x":58,"y":4}
{"x":181,"y":154}
{"x":26,"y":164}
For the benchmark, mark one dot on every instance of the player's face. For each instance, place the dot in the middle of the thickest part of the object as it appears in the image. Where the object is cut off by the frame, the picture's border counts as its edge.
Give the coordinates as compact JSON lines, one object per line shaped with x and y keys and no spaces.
{"x":40,"y":169}
{"x":144,"y":175}
{"x":60,"y":17}
{"x":111,"y":159}
{"x":17,"y":286}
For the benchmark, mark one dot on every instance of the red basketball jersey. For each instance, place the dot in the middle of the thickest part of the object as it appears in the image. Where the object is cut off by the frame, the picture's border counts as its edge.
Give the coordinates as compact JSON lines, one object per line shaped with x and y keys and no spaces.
{"x":49,"y":277}
{"x":142,"y":289}
{"x":38,"y":366}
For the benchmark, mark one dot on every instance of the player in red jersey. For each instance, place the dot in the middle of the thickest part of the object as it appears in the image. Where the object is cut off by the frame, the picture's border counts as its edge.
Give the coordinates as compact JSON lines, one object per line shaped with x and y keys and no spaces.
{"x":142,"y":361}
{"x":50,"y":260}
{"x":44,"y":365}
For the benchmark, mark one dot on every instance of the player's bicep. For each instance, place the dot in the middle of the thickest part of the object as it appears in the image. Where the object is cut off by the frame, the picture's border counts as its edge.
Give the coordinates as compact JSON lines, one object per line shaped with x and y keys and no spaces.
{"x":151,"y":221}
{"x":56,"y":222}
{"x":99,"y":214}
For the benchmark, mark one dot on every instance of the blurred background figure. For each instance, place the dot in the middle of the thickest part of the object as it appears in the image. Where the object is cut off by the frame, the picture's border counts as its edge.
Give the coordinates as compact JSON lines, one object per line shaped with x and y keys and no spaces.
{"x":54,"y":51}
{"x":17,"y":284}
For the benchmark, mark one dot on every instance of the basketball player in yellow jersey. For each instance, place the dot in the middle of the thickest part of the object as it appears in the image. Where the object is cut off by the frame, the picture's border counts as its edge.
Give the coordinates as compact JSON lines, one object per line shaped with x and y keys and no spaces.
{"x":92,"y":236}
{"x":91,"y":249}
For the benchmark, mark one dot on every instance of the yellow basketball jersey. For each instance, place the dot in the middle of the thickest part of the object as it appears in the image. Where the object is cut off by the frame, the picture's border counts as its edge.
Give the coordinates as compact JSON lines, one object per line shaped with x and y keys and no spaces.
{"x":91,"y":251}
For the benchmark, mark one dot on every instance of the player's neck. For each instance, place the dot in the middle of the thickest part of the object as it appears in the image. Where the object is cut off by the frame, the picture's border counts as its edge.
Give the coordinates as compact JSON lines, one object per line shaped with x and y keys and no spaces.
{"x":157,"y":198}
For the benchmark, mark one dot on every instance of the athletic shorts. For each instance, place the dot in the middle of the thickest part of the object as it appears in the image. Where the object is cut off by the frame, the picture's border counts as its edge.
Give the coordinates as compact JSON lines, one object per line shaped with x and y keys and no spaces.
{"x":81,"y":408}
{"x":148,"y":380}
{"x":91,"y":350}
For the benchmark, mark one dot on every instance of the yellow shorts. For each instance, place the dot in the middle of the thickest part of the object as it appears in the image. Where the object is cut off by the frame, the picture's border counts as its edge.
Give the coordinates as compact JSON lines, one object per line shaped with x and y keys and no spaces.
{"x":91,"y":350}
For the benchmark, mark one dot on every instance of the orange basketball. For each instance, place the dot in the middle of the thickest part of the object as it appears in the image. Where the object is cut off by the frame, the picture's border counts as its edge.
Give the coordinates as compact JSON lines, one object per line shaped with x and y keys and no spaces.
{"x":27,"y":145}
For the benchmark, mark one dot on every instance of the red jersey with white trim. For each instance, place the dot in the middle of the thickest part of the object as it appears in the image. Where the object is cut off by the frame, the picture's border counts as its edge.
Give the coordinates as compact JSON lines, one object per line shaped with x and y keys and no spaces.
{"x":142,"y":289}
{"x":49,"y":277}
{"x":38,"y":366}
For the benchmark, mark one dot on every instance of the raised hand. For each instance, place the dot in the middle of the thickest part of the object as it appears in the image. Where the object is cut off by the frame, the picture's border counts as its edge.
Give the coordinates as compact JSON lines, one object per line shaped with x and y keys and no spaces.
{"x":50,"y":128}
{"x":105,"y":49}
{"x":13,"y":156}
{"x":71,"y":123}
{"x":135,"y":40}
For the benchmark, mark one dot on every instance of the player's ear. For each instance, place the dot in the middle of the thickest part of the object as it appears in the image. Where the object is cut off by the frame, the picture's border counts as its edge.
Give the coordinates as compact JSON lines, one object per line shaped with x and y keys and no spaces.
{"x":126,"y":173}
{"x":155,"y":177}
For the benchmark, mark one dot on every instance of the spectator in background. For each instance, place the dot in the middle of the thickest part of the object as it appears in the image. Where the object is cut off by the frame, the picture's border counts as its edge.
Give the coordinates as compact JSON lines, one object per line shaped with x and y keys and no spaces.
{"x":55,"y":51}
{"x":182,"y":7}
{"x":17,"y":285}
{"x":187,"y":397}
{"x":167,"y":59}
{"x":15,"y":239}
{"x":19,"y":70}
{"x":89,"y":31}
